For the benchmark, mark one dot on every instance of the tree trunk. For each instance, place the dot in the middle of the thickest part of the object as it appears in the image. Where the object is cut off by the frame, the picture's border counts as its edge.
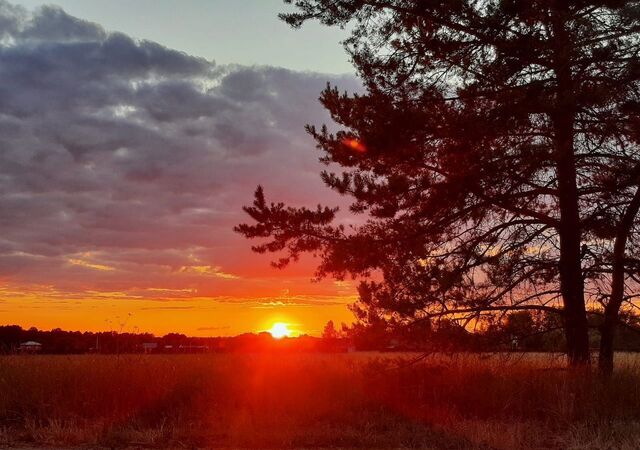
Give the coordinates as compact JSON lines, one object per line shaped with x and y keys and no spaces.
{"x":612,"y":310}
{"x":607,"y":337}
{"x":569,"y":230}
{"x":575,"y":316}
{"x":570,"y":267}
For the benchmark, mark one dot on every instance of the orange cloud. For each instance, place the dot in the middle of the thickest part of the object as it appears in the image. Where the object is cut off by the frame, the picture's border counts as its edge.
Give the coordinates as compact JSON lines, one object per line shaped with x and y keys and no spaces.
{"x":89,"y":265}
{"x":214,"y":271}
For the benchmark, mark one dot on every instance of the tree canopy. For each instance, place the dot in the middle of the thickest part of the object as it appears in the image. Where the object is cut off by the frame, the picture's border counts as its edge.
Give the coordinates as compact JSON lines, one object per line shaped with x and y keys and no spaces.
{"x":494,"y":158}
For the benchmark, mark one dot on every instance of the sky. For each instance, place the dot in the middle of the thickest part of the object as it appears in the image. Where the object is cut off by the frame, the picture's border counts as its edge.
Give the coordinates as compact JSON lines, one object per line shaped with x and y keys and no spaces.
{"x":131,"y":135}
{"x":244,"y":32}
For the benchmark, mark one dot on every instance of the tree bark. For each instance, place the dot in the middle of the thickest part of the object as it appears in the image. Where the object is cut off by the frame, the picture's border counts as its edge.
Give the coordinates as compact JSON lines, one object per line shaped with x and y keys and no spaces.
{"x":570,"y":267}
{"x":570,"y":263}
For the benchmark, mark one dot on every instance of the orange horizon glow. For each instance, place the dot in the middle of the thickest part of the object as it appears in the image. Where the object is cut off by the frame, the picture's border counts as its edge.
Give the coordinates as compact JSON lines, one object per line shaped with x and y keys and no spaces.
{"x":161,"y":311}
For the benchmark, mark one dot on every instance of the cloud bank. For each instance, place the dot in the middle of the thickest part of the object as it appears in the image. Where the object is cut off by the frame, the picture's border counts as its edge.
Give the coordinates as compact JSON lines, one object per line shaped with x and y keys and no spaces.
{"x":124,"y":164}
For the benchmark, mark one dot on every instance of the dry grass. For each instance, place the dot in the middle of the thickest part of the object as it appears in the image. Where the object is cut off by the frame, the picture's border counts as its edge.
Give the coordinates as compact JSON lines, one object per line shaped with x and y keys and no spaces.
{"x":315,"y":401}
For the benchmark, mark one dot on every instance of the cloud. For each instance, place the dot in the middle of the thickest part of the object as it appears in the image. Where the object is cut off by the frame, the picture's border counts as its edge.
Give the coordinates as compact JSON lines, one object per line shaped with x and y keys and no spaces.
{"x":141,"y":156}
{"x":166,"y":308}
{"x":213,"y":271}
{"x":89,"y":265}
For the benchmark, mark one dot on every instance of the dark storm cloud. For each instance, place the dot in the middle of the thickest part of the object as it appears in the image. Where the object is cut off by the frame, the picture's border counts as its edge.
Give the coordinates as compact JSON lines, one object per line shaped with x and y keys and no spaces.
{"x":122,"y":161}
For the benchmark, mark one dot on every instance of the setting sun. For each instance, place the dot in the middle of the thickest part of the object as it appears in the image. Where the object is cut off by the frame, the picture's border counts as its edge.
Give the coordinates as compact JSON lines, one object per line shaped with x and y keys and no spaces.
{"x":280,"y":330}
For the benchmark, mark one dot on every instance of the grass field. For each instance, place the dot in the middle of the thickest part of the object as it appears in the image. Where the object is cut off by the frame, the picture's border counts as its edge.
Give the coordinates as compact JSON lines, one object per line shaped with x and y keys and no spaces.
{"x":316,"y":401}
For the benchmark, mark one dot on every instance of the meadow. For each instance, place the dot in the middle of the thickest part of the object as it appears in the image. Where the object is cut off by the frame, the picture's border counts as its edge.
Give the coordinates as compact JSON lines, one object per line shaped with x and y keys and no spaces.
{"x":359,"y":400}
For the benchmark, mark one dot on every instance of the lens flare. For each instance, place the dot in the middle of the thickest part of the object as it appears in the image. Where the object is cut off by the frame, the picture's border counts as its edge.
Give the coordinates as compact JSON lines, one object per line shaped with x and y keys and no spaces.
{"x":354,"y":144}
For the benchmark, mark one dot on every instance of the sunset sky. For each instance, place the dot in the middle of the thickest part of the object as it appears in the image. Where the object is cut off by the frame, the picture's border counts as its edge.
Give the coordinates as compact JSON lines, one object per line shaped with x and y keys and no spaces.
{"x":132,"y":133}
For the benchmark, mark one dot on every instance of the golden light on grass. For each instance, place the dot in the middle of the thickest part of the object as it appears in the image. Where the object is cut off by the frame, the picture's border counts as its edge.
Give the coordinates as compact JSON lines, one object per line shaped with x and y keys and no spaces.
{"x":279,"y":330}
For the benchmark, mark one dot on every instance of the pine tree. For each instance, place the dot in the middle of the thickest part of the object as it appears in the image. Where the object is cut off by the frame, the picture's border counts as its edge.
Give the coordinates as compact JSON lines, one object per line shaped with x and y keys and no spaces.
{"x":494,"y":155}
{"x":329,"y":332}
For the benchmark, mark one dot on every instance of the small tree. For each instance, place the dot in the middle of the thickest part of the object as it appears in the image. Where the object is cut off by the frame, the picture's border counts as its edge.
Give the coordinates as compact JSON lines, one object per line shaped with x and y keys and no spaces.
{"x":330,"y":332}
{"x":495,"y":155}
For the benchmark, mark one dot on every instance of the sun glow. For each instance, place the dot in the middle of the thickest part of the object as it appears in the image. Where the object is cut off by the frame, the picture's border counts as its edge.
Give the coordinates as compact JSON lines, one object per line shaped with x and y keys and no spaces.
{"x":355,"y":145}
{"x":279,"y":330}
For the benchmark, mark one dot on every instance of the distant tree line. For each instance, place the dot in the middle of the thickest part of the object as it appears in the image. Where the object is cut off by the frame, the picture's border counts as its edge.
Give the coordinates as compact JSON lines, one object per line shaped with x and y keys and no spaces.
{"x":516,"y":331}
{"x":58,"y":341}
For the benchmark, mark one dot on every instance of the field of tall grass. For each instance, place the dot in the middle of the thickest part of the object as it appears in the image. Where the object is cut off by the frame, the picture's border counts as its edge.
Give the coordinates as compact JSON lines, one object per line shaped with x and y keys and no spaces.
{"x":316,"y":401}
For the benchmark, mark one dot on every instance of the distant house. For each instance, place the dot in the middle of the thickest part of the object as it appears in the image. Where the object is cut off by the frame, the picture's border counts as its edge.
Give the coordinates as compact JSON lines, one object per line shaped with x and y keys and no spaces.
{"x":30,"y":347}
{"x":148,"y":347}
